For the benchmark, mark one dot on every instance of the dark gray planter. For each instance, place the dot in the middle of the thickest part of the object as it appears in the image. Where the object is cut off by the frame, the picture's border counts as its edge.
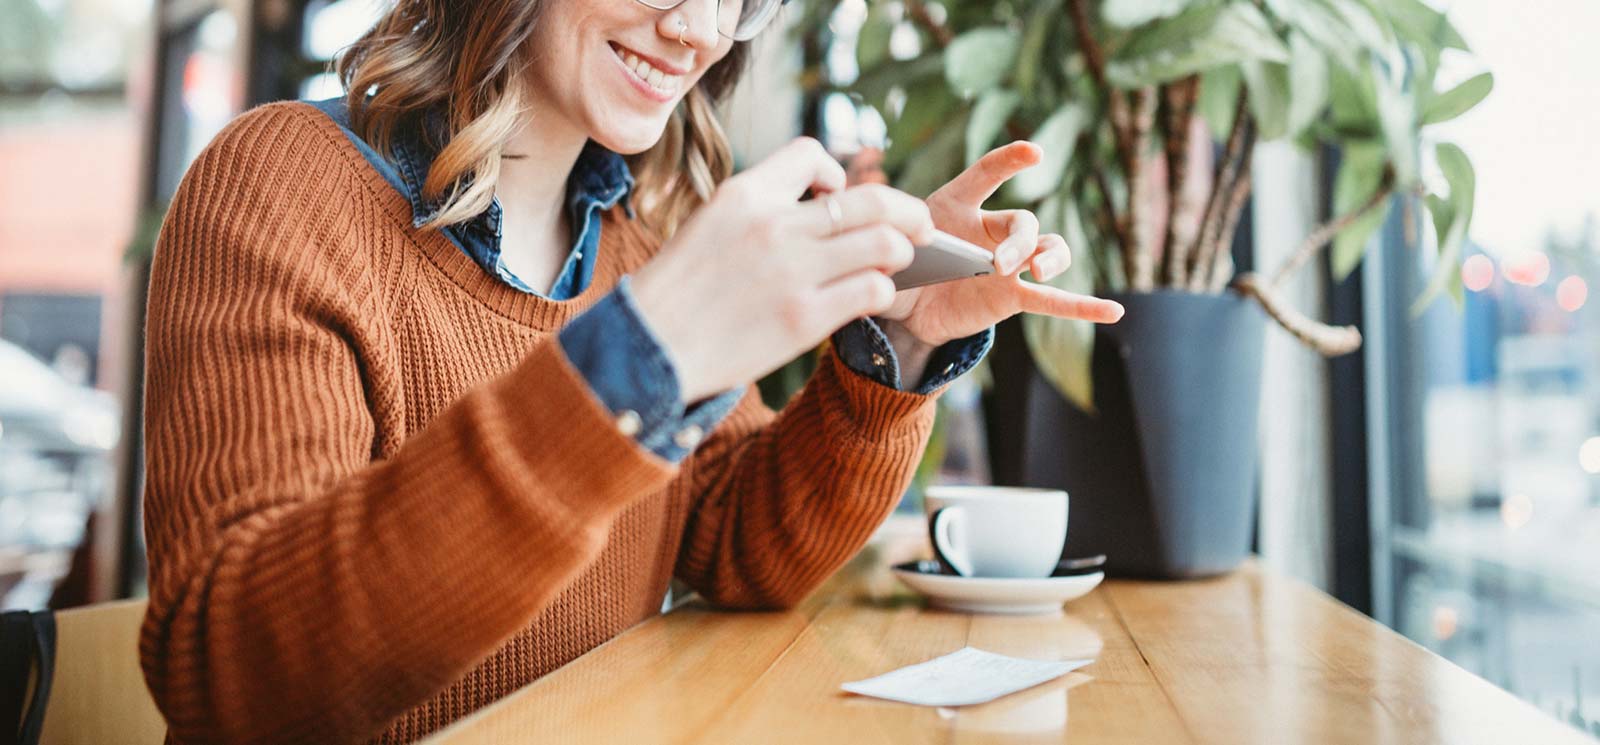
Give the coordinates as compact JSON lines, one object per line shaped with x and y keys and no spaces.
{"x":1162,"y":476}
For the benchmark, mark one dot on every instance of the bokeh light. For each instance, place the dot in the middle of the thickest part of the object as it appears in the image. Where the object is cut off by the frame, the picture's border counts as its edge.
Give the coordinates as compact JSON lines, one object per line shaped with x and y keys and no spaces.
{"x":1589,"y":455}
{"x":1477,"y":272}
{"x":1571,"y":293}
{"x":1445,"y":622}
{"x":1529,"y":268}
{"x":1516,"y":510}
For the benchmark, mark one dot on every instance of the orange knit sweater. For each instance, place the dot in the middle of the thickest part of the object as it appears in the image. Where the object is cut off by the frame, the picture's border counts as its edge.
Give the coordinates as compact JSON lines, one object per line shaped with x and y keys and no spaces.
{"x":379,"y":497}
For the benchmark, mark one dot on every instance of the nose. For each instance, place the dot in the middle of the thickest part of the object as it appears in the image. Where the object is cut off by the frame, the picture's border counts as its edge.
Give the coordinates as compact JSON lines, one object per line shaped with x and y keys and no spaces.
{"x":696,"y":19}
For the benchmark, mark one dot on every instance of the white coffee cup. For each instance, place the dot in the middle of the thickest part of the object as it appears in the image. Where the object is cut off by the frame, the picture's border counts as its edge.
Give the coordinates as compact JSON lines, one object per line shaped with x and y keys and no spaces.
{"x":997,"y":531}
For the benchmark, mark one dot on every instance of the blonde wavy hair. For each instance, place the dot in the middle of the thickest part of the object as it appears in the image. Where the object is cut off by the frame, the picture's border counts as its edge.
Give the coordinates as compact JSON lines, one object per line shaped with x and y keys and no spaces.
{"x":466,"y":60}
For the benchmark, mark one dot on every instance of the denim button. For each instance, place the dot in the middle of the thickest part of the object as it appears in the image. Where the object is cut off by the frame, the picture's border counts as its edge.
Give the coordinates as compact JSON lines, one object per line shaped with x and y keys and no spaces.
{"x":629,"y":423}
{"x":877,"y":359}
{"x":689,"y":436}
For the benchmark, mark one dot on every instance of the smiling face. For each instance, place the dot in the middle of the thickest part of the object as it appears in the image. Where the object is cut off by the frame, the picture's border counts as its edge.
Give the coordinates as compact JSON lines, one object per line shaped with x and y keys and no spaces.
{"x":615,"y":69}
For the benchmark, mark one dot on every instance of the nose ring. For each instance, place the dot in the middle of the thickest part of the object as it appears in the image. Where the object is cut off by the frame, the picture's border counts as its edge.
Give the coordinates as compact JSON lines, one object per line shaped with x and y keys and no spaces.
{"x":682,"y":29}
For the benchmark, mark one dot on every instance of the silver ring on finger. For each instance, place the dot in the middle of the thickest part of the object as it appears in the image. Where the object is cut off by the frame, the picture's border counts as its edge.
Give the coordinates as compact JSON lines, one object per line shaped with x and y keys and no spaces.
{"x":835,"y":214}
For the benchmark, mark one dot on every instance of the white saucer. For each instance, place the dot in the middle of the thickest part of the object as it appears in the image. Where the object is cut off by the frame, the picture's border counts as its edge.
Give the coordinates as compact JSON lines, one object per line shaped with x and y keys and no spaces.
{"x":993,"y":594}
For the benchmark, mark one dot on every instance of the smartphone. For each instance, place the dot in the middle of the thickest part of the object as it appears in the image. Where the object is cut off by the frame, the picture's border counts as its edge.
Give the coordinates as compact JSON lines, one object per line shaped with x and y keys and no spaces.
{"x":943,"y":259}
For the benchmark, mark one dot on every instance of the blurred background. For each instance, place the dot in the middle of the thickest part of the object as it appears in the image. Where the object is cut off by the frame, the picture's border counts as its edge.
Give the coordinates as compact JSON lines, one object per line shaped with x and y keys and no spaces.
{"x":1444,"y":479}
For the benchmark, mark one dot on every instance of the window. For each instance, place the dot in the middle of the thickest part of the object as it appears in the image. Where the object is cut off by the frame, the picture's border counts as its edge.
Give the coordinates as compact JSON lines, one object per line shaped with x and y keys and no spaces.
{"x":1487,"y":506}
{"x":70,"y":142}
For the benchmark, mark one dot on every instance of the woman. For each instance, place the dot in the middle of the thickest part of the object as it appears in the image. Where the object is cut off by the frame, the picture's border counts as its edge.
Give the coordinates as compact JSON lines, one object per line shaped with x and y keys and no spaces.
{"x":441,"y":395}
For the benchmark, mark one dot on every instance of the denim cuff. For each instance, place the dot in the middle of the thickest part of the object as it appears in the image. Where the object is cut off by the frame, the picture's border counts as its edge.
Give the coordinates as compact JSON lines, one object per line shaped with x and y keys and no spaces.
{"x":865,"y":349}
{"x":629,"y":371}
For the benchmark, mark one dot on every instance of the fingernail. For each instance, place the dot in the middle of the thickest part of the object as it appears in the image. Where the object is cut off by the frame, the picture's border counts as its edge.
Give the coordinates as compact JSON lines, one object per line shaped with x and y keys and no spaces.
{"x":1046,"y":267}
{"x":1116,"y":311}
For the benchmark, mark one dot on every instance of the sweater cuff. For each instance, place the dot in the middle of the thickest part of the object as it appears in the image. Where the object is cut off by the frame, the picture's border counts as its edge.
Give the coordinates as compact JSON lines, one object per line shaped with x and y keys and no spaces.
{"x":605,"y":467}
{"x":867,"y":411}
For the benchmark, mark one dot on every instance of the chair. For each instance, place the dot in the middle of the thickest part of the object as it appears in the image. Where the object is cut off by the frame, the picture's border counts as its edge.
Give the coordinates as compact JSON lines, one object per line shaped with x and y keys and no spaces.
{"x":98,"y":694}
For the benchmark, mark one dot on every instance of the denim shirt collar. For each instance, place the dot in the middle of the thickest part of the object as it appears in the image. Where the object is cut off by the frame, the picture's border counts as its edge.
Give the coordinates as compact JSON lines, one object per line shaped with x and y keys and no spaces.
{"x":600,"y":178}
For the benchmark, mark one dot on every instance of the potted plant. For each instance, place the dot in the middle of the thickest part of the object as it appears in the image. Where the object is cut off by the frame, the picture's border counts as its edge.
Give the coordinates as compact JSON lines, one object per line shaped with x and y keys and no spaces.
{"x":1149,"y":112}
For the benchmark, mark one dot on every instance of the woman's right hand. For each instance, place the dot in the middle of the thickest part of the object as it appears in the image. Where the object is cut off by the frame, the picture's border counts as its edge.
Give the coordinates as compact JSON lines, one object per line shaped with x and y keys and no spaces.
{"x":756,"y":276}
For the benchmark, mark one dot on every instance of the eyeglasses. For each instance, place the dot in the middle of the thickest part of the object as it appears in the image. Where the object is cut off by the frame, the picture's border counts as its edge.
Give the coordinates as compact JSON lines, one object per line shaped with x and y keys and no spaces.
{"x":739,"y":20}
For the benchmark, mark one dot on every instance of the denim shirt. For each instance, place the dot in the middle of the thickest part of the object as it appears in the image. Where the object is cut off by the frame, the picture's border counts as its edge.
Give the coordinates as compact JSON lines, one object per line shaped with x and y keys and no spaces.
{"x":610,"y":345}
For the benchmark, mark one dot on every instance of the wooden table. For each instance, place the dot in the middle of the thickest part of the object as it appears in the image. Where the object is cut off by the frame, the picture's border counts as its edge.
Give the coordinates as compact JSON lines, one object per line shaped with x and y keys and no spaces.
{"x":1246,"y":658}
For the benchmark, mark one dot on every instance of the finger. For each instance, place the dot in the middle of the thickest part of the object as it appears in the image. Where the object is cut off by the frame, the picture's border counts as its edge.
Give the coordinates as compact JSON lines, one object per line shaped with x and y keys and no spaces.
{"x":975,"y":185}
{"x":864,"y":293}
{"x":878,"y":247}
{"x":1053,"y":301}
{"x":868,"y":204}
{"x":1051,"y":258}
{"x":800,"y":165}
{"x":1017,"y":232}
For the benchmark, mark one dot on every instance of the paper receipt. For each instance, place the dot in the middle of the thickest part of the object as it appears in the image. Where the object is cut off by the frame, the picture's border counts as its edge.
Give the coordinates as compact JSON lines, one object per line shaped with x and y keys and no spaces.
{"x":966,"y":676}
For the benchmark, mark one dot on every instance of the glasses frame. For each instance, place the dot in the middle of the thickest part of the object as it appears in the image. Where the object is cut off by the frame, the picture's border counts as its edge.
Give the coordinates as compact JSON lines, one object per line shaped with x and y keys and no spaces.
{"x":765,"y":22}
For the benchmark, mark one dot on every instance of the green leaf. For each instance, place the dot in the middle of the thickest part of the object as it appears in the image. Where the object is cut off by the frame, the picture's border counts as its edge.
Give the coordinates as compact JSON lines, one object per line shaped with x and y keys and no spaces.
{"x":936,"y":163}
{"x":1443,"y":214}
{"x":1030,"y":58}
{"x":1463,"y":181}
{"x":929,"y":105}
{"x":1321,"y":24}
{"x":872,"y":44}
{"x":1417,"y":21}
{"x":989,"y":117}
{"x":1397,"y":120}
{"x":1219,"y":99}
{"x":1363,"y":21}
{"x":1130,"y":13}
{"x":1458,"y":100}
{"x":979,"y":59}
{"x":1170,"y":34}
{"x":874,"y":85}
{"x":1268,"y":83}
{"x":1200,"y":39}
{"x":1308,"y":83}
{"x":1360,"y":173}
{"x":1064,"y":349}
{"x":1057,"y":136}
{"x":1353,"y":104}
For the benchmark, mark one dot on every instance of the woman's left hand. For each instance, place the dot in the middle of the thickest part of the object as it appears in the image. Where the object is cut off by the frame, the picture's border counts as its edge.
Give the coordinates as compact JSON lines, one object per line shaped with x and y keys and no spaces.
{"x":935,"y":314}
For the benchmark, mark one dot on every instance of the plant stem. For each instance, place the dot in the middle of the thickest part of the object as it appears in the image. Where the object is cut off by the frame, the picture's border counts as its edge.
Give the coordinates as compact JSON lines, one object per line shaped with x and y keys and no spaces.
{"x":1227,"y":171}
{"x":1239,"y":193}
{"x":1183,"y":213}
{"x":1116,"y":105}
{"x":1135,"y":225}
{"x":919,"y":13}
{"x":1328,"y":230}
{"x":1327,"y":340}
{"x":1109,"y":209}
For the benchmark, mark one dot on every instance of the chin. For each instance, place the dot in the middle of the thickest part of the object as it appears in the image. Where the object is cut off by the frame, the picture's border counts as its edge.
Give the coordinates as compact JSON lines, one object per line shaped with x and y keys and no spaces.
{"x":631,"y":137}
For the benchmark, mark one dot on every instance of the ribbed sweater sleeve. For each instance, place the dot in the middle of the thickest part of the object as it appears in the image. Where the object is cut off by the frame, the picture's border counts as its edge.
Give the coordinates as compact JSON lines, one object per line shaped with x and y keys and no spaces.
{"x":782,"y":501}
{"x":301,"y":591}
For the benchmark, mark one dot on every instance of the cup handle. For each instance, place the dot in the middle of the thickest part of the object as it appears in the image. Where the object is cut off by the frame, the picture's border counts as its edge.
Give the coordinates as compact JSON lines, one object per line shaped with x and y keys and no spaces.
{"x":939,"y":528}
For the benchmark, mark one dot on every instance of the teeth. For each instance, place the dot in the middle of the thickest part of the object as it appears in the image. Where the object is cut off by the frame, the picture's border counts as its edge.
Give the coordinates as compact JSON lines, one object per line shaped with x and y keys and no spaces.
{"x":652,"y":76}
